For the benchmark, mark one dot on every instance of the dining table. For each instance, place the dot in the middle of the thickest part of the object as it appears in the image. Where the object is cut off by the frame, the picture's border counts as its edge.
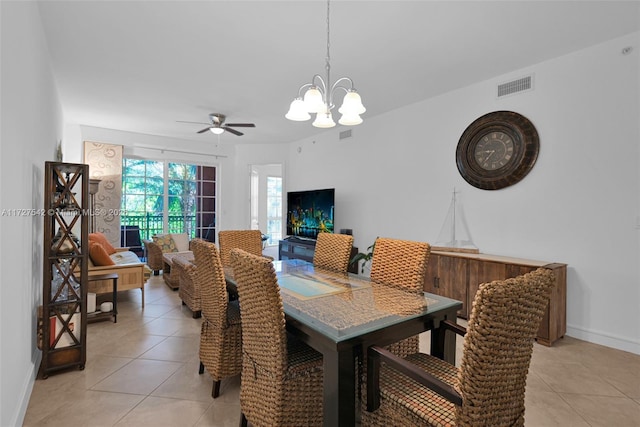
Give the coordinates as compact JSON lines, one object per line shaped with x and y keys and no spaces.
{"x":342,"y":315}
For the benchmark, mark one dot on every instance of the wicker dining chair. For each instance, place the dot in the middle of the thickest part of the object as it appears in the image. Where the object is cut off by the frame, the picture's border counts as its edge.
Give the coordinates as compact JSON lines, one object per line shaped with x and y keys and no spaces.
{"x":403,"y":264}
{"x":488,"y":388}
{"x":333,"y":251}
{"x":221,"y":333}
{"x":282,"y":377}
{"x":247,"y":240}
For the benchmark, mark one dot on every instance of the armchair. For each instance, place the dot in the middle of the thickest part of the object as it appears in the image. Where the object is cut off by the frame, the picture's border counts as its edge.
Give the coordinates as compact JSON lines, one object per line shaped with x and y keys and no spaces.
{"x":154,"y":256}
{"x":189,"y":290}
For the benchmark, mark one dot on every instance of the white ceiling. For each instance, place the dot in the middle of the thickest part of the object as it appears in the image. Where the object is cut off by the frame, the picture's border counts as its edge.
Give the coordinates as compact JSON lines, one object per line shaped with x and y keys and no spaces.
{"x":140,"y":66}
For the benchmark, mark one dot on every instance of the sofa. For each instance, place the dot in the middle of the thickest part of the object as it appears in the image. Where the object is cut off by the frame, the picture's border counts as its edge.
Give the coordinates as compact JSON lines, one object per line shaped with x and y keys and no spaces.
{"x":106,"y":259}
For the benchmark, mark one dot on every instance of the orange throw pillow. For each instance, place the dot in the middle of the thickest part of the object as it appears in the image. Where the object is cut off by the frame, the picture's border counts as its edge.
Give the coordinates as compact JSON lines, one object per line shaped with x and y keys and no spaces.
{"x":102,"y":240}
{"x":99,"y":255}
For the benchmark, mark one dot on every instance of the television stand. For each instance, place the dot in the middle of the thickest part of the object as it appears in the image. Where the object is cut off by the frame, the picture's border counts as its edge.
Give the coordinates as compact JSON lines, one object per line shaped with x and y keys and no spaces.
{"x":296,"y":248}
{"x":303,"y":248}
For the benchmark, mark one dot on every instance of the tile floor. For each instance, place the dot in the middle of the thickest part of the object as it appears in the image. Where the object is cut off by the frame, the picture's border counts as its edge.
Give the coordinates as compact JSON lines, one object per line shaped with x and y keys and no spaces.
{"x":143,"y":371}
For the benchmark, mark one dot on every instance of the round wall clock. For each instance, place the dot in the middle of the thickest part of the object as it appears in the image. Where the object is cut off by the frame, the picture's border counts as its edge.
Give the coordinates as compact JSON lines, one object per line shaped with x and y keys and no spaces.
{"x":497,"y":150}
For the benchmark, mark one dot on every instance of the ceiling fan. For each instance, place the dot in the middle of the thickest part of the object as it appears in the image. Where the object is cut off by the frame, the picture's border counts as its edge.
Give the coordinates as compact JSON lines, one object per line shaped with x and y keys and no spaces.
{"x":218,"y":125}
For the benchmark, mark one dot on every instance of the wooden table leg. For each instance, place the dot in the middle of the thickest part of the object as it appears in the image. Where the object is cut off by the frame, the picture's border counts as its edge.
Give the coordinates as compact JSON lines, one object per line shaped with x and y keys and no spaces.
{"x":115,"y":299}
{"x":339,"y":388}
{"x":443,"y":345}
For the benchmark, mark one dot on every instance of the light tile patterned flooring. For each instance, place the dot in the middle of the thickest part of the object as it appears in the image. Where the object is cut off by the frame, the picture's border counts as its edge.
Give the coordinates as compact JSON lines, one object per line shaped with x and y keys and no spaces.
{"x":143,"y":371}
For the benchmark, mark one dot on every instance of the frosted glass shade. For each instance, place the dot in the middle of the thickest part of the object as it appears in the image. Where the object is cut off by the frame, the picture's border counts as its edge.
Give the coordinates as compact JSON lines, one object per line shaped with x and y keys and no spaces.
{"x":350,"y":120}
{"x":298,"y":111}
{"x":313,"y":100}
{"x":217,"y":131}
{"x":324,"y":120}
{"x":352,"y":104}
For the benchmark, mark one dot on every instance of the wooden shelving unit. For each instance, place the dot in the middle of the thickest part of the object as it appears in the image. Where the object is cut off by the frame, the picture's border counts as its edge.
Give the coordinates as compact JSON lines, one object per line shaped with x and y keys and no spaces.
{"x":63,"y":316}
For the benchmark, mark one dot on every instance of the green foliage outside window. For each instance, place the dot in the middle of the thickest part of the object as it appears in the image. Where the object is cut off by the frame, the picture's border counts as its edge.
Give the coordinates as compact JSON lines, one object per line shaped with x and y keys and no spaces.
{"x":143,"y":196}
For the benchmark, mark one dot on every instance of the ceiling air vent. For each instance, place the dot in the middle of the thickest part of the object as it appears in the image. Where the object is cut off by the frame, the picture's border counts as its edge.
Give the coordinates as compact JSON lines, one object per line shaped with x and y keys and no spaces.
{"x":345,"y":134}
{"x":515,"y":86}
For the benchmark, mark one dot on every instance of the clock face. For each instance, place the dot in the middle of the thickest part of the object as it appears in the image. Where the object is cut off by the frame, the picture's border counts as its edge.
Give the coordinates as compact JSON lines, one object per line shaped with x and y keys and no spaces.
{"x":497,"y":150}
{"x":494,"y":150}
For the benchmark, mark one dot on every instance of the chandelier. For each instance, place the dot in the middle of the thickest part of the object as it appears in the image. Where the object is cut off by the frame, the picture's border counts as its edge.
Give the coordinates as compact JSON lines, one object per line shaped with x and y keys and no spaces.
{"x":319,"y":96}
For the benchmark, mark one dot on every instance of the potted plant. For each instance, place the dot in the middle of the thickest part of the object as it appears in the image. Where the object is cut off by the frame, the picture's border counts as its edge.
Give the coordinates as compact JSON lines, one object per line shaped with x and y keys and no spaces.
{"x":364,"y":257}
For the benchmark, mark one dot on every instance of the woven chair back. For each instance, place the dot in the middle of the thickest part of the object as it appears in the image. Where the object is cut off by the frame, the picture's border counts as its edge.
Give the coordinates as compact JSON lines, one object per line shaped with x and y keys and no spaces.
{"x":247,"y":240}
{"x":333,"y":251}
{"x":401,"y":263}
{"x":264,"y":341}
{"x":213,"y":286}
{"x":504,"y":321}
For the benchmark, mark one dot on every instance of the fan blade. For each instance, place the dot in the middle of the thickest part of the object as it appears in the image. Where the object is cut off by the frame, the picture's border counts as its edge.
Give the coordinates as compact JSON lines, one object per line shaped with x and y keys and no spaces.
{"x":242,"y":125}
{"x":233,"y":131}
{"x":195,"y":123}
{"x":204,"y":130}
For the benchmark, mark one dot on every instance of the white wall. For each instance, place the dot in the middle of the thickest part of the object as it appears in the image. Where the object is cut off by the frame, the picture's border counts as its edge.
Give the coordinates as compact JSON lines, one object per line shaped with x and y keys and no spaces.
{"x":31,"y":118}
{"x":579,"y":205}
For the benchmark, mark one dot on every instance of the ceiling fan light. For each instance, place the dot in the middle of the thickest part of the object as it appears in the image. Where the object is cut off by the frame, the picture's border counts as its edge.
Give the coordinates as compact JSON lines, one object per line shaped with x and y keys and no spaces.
{"x":324,"y":120}
{"x":350,"y":119}
{"x":298,"y":111}
{"x":313,"y":100}
{"x":216,"y":130}
{"x":352,"y":103}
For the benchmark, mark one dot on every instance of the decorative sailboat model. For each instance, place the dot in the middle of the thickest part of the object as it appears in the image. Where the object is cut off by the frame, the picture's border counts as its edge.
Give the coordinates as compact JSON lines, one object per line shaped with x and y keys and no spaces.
{"x":454,"y":235}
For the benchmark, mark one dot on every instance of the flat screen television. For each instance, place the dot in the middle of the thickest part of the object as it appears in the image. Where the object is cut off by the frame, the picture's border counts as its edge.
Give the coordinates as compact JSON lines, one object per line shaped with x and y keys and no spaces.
{"x":310,"y":212}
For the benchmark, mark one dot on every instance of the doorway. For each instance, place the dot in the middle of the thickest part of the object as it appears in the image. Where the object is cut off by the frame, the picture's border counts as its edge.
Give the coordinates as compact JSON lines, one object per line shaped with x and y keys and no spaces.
{"x":266,"y":201}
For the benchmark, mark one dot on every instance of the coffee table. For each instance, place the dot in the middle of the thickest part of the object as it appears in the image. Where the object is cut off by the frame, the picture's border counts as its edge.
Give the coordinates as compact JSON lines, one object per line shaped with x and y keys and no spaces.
{"x":173,"y":280}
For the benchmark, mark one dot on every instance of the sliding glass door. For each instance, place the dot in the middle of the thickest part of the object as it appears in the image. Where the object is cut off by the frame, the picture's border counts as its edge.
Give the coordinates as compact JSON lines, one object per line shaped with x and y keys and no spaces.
{"x":166,"y":197}
{"x":143,"y":189}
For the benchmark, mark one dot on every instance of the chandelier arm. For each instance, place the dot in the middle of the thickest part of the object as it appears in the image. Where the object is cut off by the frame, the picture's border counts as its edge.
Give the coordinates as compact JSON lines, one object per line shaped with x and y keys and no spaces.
{"x":337,"y":86}
{"x":323,"y":84}
{"x":306,"y":85}
{"x":340,"y":80}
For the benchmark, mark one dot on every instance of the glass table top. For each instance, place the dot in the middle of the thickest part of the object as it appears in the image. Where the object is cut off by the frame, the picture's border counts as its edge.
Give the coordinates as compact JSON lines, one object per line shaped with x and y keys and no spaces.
{"x":344,"y":306}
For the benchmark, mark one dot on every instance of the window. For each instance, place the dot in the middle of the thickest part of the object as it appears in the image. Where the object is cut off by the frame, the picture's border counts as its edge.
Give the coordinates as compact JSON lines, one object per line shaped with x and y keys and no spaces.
{"x":169,"y":197}
{"x":182,"y":198}
{"x":206,"y":203}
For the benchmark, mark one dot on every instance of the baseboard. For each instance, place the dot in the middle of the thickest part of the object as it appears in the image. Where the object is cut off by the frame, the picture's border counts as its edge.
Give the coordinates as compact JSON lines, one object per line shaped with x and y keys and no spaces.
{"x":617,"y":342}
{"x":26,"y":389}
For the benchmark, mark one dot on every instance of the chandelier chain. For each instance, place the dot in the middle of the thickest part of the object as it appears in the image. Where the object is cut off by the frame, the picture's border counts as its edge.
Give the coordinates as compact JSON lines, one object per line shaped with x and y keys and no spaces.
{"x":328,"y":58}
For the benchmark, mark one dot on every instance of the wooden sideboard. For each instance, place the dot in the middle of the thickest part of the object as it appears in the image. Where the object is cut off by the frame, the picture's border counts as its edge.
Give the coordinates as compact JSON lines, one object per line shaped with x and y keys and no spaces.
{"x":458,"y":275}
